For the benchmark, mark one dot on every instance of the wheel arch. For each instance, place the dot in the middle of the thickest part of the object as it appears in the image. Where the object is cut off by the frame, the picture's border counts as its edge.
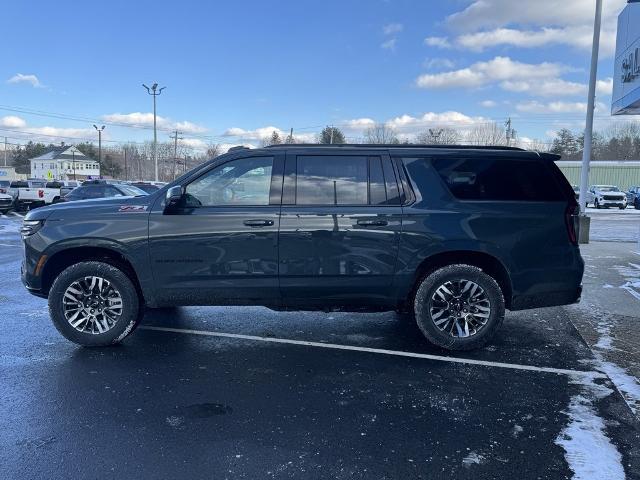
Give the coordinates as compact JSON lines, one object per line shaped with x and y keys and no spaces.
{"x":484,"y":261}
{"x":71,"y":255}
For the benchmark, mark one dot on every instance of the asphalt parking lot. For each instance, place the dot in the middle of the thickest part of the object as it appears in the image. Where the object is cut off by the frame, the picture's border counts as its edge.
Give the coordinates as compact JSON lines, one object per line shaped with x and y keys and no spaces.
{"x":250,"y":393}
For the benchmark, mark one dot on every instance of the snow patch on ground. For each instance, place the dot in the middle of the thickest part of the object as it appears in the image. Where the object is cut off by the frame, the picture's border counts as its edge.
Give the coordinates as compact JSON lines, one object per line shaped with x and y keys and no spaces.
{"x":588,"y":451}
{"x":473,"y":458}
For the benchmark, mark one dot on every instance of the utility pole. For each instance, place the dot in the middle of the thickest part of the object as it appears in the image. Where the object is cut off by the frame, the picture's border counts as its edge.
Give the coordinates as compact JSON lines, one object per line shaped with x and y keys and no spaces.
{"x":99,"y":143}
{"x":125,"y":162}
{"x":510,"y":133}
{"x":175,"y":138}
{"x":154,"y":92}
{"x":73,"y":162}
{"x":588,"y":131}
{"x":290,"y":139}
{"x":5,"y":151}
{"x":331,"y":138}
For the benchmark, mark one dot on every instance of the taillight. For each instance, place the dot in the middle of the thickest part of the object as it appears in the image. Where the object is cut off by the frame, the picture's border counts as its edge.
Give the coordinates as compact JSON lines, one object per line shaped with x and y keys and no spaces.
{"x":572,"y":221}
{"x":41,"y":193}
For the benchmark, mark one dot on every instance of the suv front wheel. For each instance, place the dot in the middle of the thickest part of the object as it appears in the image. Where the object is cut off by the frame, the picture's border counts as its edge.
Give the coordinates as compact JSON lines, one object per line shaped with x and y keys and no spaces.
{"x":459,"y":307}
{"x":94,"y":304}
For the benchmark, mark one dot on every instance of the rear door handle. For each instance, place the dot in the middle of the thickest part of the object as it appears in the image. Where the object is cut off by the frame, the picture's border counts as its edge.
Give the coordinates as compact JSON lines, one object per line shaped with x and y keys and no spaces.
{"x":372,"y":223}
{"x":258,"y":223}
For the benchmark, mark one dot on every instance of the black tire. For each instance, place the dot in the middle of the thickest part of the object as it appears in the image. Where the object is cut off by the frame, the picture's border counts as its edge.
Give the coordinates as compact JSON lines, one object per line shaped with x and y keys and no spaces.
{"x":596,"y":204}
{"x":423,"y":302}
{"x":622,"y":207}
{"x":636,"y":204}
{"x":131,"y":306}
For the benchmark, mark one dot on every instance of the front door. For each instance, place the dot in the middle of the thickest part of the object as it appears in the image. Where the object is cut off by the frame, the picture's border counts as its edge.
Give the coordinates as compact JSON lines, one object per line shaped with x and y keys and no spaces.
{"x":339,"y":229}
{"x":219,"y":244}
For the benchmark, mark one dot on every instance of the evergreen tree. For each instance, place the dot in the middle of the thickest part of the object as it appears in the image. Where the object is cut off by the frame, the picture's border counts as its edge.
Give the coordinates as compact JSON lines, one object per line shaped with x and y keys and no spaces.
{"x":326,"y":136}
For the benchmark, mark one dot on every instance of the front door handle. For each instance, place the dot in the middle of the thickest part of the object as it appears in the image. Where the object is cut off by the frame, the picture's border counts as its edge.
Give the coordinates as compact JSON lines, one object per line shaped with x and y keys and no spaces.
{"x":372,"y":223}
{"x":258,"y":223}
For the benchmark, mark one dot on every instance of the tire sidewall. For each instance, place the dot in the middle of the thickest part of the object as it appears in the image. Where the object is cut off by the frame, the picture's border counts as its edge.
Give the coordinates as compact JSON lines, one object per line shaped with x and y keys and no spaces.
{"x":423,"y":300}
{"x":130,"y":310}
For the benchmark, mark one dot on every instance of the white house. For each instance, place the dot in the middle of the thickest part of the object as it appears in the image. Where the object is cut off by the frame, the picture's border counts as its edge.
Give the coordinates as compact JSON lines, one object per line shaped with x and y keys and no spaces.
{"x":64,"y":163}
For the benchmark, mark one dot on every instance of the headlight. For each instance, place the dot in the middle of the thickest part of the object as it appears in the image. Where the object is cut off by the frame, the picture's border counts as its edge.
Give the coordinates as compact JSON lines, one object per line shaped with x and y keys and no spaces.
{"x":29,"y":227}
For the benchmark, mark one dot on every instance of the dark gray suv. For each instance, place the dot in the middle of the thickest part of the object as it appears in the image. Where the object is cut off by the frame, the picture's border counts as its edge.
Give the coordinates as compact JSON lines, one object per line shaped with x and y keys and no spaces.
{"x":452,"y":235}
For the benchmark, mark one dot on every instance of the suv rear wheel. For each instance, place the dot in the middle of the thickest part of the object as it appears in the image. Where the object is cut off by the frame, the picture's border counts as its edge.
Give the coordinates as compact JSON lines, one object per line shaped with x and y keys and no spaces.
{"x":459,"y":307}
{"x":94,"y":304}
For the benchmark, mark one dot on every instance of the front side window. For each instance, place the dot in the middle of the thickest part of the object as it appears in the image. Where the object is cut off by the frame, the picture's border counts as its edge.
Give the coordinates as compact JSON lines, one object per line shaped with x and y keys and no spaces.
{"x":245,"y":181}
{"x":332,"y":180}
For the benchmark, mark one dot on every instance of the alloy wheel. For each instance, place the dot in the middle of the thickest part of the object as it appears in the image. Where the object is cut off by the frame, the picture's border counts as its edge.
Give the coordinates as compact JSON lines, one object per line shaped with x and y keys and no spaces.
{"x":92,"y":305}
{"x":460,"y":308}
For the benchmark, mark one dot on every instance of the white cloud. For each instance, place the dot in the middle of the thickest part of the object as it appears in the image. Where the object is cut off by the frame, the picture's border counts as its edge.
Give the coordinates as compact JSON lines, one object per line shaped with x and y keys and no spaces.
{"x":30,"y":79}
{"x":255,"y":136}
{"x":558,"y":107}
{"x":604,"y":87}
{"x":189,"y":127}
{"x":389,"y":44}
{"x":11,"y":121}
{"x":437,"y":63}
{"x":440,"y":42}
{"x":392,"y":28}
{"x":408,"y":125}
{"x":146,"y":120}
{"x":490,"y":23}
{"x":492,"y":71}
{"x":488,"y":103}
{"x":358,"y":125}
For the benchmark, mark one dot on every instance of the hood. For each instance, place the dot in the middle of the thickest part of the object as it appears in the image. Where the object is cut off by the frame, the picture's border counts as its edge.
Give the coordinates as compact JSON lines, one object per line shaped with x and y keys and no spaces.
{"x":94,"y":207}
{"x":613,"y":194}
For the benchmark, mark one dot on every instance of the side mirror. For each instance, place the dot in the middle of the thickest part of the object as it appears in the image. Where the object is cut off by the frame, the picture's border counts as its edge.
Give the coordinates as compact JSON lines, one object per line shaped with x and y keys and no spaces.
{"x":173,"y":196}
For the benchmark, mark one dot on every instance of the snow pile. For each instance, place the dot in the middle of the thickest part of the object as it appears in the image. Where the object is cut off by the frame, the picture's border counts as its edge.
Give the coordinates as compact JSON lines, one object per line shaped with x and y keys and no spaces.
{"x":589,"y":452}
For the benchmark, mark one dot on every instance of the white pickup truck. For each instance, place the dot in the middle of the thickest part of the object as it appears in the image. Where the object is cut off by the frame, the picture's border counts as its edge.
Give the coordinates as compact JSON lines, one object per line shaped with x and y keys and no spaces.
{"x":30,"y":194}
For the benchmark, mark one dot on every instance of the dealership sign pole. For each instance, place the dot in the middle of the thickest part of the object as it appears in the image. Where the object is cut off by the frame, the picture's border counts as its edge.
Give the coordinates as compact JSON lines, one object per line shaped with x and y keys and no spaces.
{"x":588,"y":131}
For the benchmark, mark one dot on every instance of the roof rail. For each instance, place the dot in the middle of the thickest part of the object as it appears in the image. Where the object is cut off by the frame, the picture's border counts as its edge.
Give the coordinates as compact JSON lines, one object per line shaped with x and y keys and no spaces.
{"x":238,"y":147}
{"x":395,"y":145}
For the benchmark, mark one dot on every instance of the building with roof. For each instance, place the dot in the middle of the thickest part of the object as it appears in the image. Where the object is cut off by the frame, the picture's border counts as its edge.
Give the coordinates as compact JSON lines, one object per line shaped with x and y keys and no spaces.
{"x":64,"y":163}
{"x":622,"y":173}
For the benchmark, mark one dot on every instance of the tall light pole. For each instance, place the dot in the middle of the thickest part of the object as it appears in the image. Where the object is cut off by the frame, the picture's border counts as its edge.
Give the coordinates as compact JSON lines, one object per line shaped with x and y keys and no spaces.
{"x":154,"y":91}
{"x":588,"y":131}
{"x":99,"y":143}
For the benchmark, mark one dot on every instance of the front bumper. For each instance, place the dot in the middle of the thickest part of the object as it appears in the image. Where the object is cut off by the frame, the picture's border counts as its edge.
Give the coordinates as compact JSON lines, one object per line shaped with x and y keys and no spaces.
{"x":622,"y":202}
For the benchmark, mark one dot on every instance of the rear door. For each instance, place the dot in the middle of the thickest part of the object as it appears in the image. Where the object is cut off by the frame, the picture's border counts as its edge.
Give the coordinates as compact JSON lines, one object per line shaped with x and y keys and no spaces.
{"x":339,"y":226}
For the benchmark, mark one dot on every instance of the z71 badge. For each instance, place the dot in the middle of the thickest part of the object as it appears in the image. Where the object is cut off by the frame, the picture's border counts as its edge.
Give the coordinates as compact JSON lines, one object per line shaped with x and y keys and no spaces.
{"x":132,"y":208}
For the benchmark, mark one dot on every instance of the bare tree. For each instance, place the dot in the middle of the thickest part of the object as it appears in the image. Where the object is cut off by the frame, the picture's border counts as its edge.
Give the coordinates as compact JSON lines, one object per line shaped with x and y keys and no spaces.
{"x":487,"y":134}
{"x":380,"y":133}
{"x":439,"y":136}
{"x":213,"y":150}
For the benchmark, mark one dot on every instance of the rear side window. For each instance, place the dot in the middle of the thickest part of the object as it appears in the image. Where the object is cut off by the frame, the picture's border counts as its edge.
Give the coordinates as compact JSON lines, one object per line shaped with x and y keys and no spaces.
{"x":332,"y":180}
{"x":345,"y":180}
{"x":498,"y":179}
{"x":19,"y":184}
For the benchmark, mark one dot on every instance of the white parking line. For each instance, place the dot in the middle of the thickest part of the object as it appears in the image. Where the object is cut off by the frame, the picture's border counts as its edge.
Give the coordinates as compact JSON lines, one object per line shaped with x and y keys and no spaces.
{"x":398,"y":353}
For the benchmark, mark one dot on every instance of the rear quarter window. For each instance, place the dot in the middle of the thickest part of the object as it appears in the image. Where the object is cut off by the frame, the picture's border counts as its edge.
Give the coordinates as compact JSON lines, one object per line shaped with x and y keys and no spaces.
{"x":499,"y":179}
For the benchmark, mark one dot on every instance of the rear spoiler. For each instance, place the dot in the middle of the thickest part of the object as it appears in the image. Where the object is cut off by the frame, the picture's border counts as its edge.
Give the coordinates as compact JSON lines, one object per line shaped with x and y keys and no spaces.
{"x":552,"y":157}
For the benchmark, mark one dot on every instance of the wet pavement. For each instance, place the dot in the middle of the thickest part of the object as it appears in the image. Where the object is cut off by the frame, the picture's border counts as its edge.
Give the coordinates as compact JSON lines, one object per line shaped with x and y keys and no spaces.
{"x":259,"y":402}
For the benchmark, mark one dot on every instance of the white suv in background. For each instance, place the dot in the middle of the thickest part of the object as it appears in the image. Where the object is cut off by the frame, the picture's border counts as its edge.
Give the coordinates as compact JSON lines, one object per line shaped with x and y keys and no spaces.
{"x":606,"y":196}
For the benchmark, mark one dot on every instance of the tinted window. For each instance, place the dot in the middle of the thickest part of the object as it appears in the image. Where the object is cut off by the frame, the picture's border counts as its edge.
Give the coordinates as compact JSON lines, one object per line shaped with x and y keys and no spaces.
{"x":331,"y":180}
{"x":53,"y":185}
{"x":245,"y":181}
{"x":498,"y":179}
{"x":19,"y":184}
{"x":94,"y":191}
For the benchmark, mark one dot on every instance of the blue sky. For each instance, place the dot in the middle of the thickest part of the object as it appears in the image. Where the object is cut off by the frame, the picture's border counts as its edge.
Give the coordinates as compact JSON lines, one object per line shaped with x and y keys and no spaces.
{"x":236,"y":70}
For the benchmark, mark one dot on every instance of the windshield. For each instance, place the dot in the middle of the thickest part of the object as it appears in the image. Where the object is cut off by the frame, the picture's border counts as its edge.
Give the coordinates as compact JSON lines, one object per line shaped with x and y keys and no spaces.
{"x":131,"y":190}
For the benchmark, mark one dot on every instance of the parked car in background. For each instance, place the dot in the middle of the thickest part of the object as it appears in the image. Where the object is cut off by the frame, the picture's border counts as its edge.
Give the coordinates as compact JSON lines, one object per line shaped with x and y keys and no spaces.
{"x":67,"y":187}
{"x":453,"y":235}
{"x":146,"y":186}
{"x":101,"y":189}
{"x":30,"y":194}
{"x":4,"y":185}
{"x":590,"y":197}
{"x":6,"y":203}
{"x":633,"y":197}
{"x":608,"y":196}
